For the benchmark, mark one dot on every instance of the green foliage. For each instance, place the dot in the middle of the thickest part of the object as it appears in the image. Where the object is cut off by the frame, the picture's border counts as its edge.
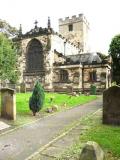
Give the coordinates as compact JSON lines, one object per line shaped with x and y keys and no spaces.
{"x":115,"y":47}
{"x":37,"y":100}
{"x":114,"y":51}
{"x":7,"y":29}
{"x":8,"y":60}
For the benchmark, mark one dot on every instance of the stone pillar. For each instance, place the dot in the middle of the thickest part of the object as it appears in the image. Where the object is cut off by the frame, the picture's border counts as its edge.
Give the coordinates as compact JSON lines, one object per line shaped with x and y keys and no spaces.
{"x":8,"y":103}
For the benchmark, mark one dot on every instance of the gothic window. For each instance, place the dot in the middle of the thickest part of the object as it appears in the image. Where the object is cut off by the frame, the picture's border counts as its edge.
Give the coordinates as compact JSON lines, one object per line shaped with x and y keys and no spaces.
{"x":70,"y":27}
{"x":93,"y":76}
{"x":63,"y":76}
{"x":34,"y":56}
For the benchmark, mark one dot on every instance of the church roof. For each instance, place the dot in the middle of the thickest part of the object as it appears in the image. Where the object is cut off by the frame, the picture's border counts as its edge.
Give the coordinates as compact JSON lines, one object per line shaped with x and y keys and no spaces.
{"x":85,"y":58}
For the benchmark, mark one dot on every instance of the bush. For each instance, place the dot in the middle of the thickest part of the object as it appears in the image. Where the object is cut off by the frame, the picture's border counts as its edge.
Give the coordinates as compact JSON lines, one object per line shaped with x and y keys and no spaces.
{"x":36,"y":101}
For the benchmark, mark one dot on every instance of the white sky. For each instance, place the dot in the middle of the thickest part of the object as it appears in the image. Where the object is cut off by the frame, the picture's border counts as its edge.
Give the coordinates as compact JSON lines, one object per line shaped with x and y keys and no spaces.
{"x":103,"y":16}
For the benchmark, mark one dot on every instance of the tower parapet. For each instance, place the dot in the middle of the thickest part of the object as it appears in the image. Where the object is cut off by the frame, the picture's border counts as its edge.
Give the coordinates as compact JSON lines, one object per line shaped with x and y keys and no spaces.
{"x":75,"y":29}
{"x":73,"y":19}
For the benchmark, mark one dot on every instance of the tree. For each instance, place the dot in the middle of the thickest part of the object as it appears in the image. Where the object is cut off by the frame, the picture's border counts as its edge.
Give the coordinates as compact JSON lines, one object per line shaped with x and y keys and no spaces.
{"x":8,"y":60}
{"x":36,"y":101}
{"x":7,"y":29}
{"x":114,"y":51}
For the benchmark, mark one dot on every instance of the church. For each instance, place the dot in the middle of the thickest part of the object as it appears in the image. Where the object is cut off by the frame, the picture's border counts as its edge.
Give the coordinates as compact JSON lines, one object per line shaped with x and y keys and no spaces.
{"x":62,"y":61}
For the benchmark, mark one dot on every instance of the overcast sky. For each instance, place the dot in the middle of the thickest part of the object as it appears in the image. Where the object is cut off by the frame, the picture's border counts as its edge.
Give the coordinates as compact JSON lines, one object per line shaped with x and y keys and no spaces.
{"x":103,"y":16}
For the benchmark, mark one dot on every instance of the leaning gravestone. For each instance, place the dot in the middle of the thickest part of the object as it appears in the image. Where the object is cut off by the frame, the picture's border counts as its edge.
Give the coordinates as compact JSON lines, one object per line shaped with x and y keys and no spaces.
{"x":111,"y":106}
{"x":8,"y":103}
{"x":91,"y":151}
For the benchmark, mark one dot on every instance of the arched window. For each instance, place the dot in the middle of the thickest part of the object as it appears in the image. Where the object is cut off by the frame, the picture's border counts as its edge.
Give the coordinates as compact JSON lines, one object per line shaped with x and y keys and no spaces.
{"x":93,"y":76}
{"x":34,"y":56}
{"x":63,"y":76}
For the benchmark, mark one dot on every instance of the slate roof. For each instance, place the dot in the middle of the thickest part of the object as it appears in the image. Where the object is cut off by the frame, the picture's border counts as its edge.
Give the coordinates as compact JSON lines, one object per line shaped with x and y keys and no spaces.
{"x":86,"y":58}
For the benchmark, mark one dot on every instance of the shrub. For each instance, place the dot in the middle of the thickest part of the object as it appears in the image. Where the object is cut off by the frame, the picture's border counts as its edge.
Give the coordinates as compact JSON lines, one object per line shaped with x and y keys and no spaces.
{"x":36,"y":101}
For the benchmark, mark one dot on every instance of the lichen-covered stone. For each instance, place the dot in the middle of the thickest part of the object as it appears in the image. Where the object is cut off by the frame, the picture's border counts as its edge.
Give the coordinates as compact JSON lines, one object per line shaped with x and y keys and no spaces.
{"x":91,"y":151}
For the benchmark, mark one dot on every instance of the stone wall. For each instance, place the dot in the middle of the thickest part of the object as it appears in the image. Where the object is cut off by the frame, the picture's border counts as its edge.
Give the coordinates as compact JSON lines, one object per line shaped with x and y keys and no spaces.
{"x":103,"y":76}
{"x":43,"y":75}
{"x":74,"y":78}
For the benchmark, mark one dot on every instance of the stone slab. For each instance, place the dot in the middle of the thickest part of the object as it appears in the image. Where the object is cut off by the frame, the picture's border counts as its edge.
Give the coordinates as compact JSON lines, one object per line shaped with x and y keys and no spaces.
{"x":3,"y":126}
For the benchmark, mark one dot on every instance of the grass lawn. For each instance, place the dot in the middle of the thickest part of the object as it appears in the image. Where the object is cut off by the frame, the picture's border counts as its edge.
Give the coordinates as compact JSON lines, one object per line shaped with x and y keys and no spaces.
{"x":108,"y":137}
{"x":62,"y":100}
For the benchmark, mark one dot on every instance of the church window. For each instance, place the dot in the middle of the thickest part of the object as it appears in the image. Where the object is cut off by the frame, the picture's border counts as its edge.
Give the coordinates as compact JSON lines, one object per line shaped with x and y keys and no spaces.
{"x":34,"y":56}
{"x":63,"y":76}
{"x":93,"y":76}
{"x":70,"y":27}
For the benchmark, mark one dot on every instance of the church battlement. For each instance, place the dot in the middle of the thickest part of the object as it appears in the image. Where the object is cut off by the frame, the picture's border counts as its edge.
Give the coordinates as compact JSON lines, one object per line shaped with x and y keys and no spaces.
{"x":73,"y":19}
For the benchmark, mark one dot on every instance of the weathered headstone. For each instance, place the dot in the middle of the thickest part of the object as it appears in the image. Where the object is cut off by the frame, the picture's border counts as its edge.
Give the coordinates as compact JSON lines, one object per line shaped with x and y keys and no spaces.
{"x":69,"y":88}
{"x":8,"y":103}
{"x":91,"y":151}
{"x":23,"y":87}
{"x":111,"y":105}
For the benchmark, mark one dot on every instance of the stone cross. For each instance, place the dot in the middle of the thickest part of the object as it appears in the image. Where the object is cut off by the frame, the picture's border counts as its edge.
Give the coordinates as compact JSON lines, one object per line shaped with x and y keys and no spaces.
{"x":36,"y":22}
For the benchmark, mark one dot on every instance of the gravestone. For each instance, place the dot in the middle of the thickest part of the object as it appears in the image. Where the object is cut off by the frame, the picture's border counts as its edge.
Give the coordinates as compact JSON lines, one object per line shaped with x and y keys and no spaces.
{"x":23,"y":87}
{"x":111,"y":106}
{"x":8,"y":103}
{"x":69,"y":89}
{"x":91,"y":151}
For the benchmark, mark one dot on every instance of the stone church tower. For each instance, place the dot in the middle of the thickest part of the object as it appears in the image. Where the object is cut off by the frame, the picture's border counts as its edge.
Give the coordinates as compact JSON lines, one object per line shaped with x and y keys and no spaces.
{"x":76,"y":30}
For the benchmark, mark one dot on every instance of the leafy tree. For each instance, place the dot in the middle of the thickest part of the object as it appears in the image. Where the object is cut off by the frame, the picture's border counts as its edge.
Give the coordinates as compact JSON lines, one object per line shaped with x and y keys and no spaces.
{"x":36,"y":101}
{"x":7,"y":29}
{"x":114,"y":51}
{"x":8,"y":60}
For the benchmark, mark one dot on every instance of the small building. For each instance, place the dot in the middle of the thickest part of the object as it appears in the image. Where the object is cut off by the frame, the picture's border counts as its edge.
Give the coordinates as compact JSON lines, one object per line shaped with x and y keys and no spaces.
{"x":62,"y":60}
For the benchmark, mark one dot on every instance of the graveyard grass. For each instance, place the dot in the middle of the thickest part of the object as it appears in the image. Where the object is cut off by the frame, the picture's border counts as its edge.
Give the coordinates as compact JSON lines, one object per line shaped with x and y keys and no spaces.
{"x":63,"y":101}
{"x":107,"y":136}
